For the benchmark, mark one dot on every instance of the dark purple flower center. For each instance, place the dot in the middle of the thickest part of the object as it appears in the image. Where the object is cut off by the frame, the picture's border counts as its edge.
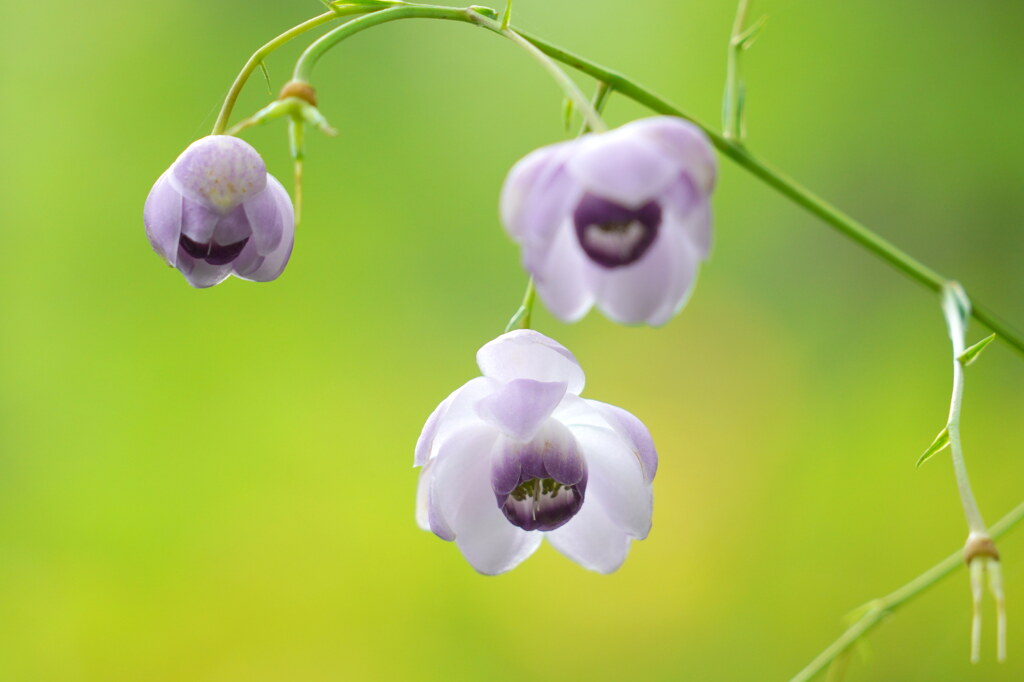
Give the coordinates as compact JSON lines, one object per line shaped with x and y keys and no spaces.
{"x":213,"y":253}
{"x":613,"y":235}
{"x":542,"y":503}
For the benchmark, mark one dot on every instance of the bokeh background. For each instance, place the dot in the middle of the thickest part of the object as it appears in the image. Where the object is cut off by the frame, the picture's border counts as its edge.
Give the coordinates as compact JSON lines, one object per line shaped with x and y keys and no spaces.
{"x":217,"y":485}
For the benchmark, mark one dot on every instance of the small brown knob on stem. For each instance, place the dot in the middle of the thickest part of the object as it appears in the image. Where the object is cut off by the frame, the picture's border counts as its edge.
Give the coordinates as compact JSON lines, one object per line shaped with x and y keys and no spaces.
{"x":300,"y":89}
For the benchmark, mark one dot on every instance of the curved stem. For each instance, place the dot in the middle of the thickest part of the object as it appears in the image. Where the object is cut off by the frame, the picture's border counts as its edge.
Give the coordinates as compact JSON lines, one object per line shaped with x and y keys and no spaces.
{"x":259,"y":55}
{"x":878,"y":609}
{"x":308,"y":60}
{"x":786,"y":186}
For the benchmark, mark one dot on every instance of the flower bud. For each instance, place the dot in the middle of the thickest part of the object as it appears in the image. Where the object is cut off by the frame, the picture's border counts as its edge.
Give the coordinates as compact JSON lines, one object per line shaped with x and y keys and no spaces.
{"x":217,"y":212}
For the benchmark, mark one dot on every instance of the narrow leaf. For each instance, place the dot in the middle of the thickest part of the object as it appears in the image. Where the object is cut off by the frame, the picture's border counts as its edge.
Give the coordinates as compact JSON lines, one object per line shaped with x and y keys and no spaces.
{"x":940,"y":443}
{"x":266,"y":76}
{"x":506,"y":19}
{"x":568,"y":110}
{"x":747,"y":38}
{"x":972,"y":353}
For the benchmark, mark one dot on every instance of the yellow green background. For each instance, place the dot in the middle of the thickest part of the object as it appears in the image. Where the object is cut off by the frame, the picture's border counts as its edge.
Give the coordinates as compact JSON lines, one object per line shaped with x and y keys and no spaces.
{"x":217,"y":485}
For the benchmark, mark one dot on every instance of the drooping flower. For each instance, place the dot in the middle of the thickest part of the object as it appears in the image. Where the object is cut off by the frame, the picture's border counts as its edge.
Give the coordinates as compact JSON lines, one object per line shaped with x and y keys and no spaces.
{"x":619,"y":219}
{"x":517,"y":455}
{"x":217,"y":212}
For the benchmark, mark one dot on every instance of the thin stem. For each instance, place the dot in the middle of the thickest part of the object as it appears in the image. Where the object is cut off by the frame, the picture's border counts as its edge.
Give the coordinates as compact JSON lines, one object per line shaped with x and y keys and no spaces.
{"x":259,"y":55}
{"x":569,"y":87}
{"x":521,"y":320}
{"x":731,"y":125}
{"x":308,"y":60}
{"x":878,"y":609}
{"x":956,"y":308}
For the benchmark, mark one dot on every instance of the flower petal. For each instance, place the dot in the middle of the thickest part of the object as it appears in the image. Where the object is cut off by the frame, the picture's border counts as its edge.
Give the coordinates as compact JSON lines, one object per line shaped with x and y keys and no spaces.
{"x":199,"y":273}
{"x":198,"y":222}
{"x":615,"y":479}
{"x":634,"y":432}
{"x":622,"y":167}
{"x":561,"y":280}
{"x":162,"y":217}
{"x":266,"y":217}
{"x":219,"y":171}
{"x":633,"y":293}
{"x":591,"y":539}
{"x":423,"y":497}
{"x":273,"y":262}
{"x":455,"y":412}
{"x":691,"y":211}
{"x":460,"y":493}
{"x":684,"y":142}
{"x":526,"y":354}
{"x":521,"y":406}
{"x":537,"y":194}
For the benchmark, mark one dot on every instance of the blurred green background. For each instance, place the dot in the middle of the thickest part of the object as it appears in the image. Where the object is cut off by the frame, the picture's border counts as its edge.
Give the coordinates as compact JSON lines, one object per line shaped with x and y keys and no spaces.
{"x":217,"y":485}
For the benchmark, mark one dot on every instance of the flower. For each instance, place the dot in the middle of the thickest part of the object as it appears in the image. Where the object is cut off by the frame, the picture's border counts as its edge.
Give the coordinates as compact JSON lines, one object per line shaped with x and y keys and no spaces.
{"x":618,"y":219}
{"x":217,"y":212}
{"x":516,"y":455}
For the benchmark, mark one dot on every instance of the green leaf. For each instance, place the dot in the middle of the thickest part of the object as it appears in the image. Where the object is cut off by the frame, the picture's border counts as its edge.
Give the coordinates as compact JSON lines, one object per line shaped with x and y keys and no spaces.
{"x":940,"y":443}
{"x":972,"y":353}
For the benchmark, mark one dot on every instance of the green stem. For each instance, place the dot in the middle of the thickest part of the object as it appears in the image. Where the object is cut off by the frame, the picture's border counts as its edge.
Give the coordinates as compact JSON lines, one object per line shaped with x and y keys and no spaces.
{"x":521,"y":320}
{"x":878,"y":609}
{"x":259,"y":55}
{"x":731,"y":125}
{"x":308,"y":60}
{"x":731,"y":148}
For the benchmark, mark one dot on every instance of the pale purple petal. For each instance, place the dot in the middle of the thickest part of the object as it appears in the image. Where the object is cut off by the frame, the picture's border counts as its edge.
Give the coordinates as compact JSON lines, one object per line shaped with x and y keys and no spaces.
{"x":560,"y":280}
{"x":201,"y":274}
{"x":615,"y":479}
{"x":521,"y":406}
{"x":683,"y":142}
{"x":685,"y":263}
{"x":266,"y":217}
{"x":690,"y":211}
{"x":162,"y":217}
{"x":274,"y":262}
{"x":537,"y":193}
{"x":455,"y":412}
{"x":621,"y":167}
{"x":633,"y":293}
{"x":526,"y":354}
{"x":634,"y":432}
{"x":219,"y":171}
{"x":591,"y":539}
{"x":198,"y":222}
{"x":461,"y":495}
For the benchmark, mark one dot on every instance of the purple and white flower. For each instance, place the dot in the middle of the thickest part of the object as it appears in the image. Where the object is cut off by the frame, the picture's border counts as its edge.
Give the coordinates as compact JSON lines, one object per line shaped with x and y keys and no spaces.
{"x":517,"y":455}
{"x":620,"y":219}
{"x":217,"y":212}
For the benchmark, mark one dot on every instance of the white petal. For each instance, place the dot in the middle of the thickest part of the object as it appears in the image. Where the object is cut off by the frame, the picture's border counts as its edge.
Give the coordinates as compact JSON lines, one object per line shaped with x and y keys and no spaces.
{"x":634,"y":293}
{"x":591,"y":539}
{"x":423,"y":497}
{"x":615,"y":479}
{"x":561,"y":280}
{"x":455,"y":412}
{"x":633,"y":431}
{"x":461,"y":493}
{"x":526,"y":354}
